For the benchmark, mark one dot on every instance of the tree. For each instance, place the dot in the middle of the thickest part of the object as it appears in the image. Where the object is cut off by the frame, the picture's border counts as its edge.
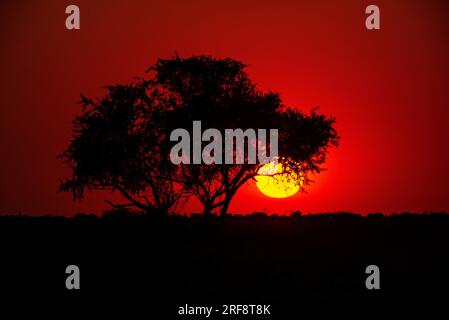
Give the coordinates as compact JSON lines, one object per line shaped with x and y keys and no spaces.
{"x":220,"y":94}
{"x":122,"y":141}
{"x":117,"y":145}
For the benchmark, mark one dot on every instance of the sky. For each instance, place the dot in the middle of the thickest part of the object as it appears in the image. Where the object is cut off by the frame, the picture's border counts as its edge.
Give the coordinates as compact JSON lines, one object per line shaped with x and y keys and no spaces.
{"x":388,"y":89}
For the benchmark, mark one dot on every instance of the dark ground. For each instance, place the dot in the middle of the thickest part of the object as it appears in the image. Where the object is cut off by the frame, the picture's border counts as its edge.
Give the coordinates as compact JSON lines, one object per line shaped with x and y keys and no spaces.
{"x":315,"y":262}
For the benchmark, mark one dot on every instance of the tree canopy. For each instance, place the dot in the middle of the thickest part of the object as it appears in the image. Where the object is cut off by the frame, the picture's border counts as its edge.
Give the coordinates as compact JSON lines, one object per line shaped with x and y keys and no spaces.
{"x":122,"y":140}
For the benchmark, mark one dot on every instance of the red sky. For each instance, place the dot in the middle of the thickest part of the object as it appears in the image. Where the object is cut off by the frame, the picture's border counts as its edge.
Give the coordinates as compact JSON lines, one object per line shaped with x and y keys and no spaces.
{"x":387,"y":88}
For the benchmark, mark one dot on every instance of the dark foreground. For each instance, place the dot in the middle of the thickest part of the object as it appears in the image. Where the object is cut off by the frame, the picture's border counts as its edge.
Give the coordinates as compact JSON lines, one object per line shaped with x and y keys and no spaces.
{"x":158,"y":265}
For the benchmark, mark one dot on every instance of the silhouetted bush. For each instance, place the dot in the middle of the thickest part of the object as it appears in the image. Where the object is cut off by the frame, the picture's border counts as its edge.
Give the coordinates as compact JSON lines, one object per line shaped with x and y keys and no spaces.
{"x":258,"y":214}
{"x":296,"y":214}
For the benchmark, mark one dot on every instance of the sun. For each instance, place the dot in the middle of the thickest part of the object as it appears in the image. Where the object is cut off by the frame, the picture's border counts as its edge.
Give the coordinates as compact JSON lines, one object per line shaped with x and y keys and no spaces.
{"x":282,"y":185}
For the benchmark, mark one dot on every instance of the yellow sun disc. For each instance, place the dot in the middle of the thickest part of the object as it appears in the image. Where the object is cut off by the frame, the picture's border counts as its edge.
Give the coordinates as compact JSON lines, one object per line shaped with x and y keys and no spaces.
{"x":282,"y":185}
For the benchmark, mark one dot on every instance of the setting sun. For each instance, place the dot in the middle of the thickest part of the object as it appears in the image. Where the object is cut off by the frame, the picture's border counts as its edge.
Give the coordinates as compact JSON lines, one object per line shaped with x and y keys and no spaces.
{"x":275,"y":184}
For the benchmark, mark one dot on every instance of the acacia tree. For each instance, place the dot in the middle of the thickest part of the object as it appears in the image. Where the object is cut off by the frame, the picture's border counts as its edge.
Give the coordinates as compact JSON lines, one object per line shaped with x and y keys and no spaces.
{"x":117,"y":145}
{"x":220,"y":94}
{"x":121,"y":142}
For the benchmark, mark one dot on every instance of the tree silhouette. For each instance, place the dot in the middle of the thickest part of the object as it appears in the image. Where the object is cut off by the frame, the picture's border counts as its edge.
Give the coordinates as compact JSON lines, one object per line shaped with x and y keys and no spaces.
{"x":121,"y":142}
{"x":117,"y":145}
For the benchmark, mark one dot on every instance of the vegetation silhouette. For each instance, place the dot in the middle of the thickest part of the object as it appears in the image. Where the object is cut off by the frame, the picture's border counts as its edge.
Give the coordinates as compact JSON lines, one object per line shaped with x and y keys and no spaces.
{"x":161,"y":262}
{"x":121,"y":142}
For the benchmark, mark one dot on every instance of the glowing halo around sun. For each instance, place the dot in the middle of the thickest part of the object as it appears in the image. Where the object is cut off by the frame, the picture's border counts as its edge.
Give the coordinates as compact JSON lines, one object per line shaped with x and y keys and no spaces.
{"x":282,"y":185}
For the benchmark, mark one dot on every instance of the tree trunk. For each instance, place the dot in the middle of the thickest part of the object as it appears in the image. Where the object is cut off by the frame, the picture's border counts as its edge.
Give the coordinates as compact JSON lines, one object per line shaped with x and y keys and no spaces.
{"x":207,"y":211}
{"x":227,"y":201}
{"x":224,"y":209}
